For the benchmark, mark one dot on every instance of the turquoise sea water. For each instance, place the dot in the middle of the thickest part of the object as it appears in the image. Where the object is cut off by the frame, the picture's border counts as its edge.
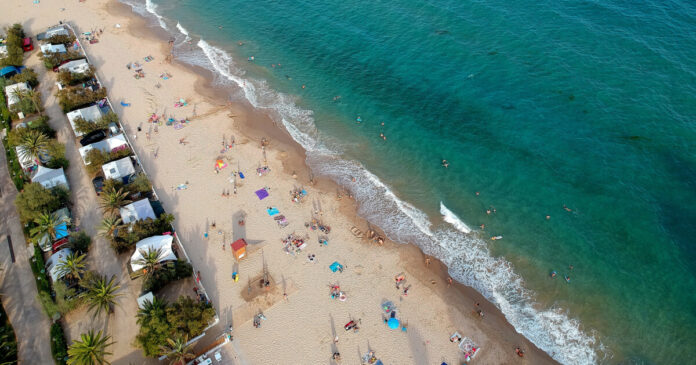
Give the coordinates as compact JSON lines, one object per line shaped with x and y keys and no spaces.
{"x":536,"y":105}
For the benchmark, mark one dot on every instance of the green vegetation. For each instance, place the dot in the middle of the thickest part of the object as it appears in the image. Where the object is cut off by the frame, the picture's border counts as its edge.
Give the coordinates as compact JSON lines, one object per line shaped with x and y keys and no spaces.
{"x":91,"y":349}
{"x":177,"y":351}
{"x":111,"y":200}
{"x":56,"y":155}
{"x":76,"y":97}
{"x":80,"y":242}
{"x":126,"y":239}
{"x":28,"y":75}
{"x":109,"y":225}
{"x":170,"y":271}
{"x":68,"y":78}
{"x":15,"y":53}
{"x":8,"y":340}
{"x":141,"y":184}
{"x":59,"y":346}
{"x":29,"y":102}
{"x":66,"y":298}
{"x":32,"y":145}
{"x":84,"y":126}
{"x":72,"y":267}
{"x":35,"y":199}
{"x":160,"y":321}
{"x":54,"y":59}
{"x":97,"y":158}
{"x":100,"y":294}
{"x":65,"y":40}
{"x":47,"y":224}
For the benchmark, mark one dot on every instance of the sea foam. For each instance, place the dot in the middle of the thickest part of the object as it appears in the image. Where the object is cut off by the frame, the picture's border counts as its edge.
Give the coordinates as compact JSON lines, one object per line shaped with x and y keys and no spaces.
{"x":452,"y":219}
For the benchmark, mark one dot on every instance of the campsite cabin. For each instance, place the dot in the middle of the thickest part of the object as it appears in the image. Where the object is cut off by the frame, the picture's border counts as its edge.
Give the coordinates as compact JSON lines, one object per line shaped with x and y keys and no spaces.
{"x":76,"y":66}
{"x":112,"y":144}
{"x":137,"y":210}
{"x":90,"y":114}
{"x":50,"y":178}
{"x":27,"y":44}
{"x":53,"y":48}
{"x":239,"y":248}
{"x":120,"y":170}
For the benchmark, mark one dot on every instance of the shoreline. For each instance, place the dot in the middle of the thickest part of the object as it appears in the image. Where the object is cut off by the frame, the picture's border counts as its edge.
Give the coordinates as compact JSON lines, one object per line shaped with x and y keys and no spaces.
{"x":263,"y":126}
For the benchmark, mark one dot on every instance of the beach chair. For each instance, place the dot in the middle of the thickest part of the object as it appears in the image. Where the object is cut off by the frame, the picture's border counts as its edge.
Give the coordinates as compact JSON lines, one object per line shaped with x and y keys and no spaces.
{"x":218,"y":357}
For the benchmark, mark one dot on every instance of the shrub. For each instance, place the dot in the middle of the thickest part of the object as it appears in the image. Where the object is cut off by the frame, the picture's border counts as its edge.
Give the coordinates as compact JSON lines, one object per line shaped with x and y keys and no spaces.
{"x":80,"y":242}
{"x":48,"y":305}
{"x":35,"y":199}
{"x":28,"y":75}
{"x":76,"y":97}
{"x":84,"y":126}
{"x":126,"y":238}
{"x":8,"y":355}
{"x":15,"y":53}
{"x":53,"y":59}
{"x":171,"y":271}
{"x":66,"y":298}
{"x":97,"y":158}
{"x":37,"y":266}
{"x":141,"y":184}
{"x":68,"y":78}
{"x":56,"y":156}
{"x":60,"y":39}
{"x":59,"y":347}
{"x":18,"y":176}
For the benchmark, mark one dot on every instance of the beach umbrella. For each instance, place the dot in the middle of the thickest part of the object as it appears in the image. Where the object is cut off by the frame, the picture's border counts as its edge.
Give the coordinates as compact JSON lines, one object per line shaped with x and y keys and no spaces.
{"x":393,"y":323}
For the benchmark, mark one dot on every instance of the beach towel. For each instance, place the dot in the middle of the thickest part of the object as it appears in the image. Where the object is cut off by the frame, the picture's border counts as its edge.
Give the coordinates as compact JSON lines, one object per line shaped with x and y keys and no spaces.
{"x":220,"y":164}
{"x":241,"y":175}
{"x":261,"y":193}
{"x":336,"y":266}
{"x":272,"y":211}
{"x":123,"y":103}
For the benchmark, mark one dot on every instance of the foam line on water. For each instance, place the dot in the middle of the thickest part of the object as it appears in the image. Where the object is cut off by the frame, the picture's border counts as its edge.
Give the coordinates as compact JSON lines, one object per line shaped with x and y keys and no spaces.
{"x":452,"y":219}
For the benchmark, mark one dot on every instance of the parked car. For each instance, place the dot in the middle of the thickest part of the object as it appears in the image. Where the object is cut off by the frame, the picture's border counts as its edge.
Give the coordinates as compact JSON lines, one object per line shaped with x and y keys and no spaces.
{"x":27,"y":44}
{"x":98,"y":183}
{"x":92,"y":137}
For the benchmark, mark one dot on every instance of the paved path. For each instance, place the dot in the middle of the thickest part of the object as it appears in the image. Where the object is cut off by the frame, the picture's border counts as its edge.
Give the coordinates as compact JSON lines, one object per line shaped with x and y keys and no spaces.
{"x":19,"y":293}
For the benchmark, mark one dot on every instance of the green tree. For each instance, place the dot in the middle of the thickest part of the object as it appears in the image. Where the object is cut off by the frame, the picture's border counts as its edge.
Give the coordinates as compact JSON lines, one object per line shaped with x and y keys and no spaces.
{"x":101,"y":294}
{"x":154,"y":328}
{"x":177,"y":351}
{"x":113,"y":199}
{"x":109,"y":225}
{"x":35,"y":199}
{"x":33,"y":144}
{"x":150,"y":260}
{"x":72,"y":267}
{"x":189,"y":316}
{"x":91,"y":349}
{"x":35,"y":98}
{"x":47,"y":224}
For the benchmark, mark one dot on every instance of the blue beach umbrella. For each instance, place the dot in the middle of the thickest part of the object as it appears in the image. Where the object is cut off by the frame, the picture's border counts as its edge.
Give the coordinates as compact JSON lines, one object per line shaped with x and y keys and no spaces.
{"x":393,"y":323}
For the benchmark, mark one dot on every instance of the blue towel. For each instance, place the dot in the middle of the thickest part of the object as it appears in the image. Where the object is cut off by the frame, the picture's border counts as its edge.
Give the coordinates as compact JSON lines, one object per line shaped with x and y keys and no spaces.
{"x":241,"y":175}
{"x":272,"y":211}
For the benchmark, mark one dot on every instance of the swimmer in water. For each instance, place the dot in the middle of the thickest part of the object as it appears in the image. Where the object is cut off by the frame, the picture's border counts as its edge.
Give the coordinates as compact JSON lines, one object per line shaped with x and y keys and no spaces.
{"x":553,"y":274}
{"x":567,"y":279}
{"x":303,"y":86}
{"x":445,"y":164}
{"x":566,"y":208}
{"x":358,"y":119}
{"x":483,"y":226}
{"x":382,"y":124}
{"x":240,"y":43}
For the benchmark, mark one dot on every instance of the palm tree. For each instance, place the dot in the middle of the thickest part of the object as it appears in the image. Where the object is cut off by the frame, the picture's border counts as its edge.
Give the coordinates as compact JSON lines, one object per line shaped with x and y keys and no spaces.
{"x":109,"y":225}
{"x":19,"y":93}
{"x":112,"y":199}
{"x":91,"y":350}
{"x":33,"y":144}
{"x":48,"y":224}
{"x":177,"y":351}
{"x":150,"y":260}
{"x":101,"y":294}
{"x":151,"y":309}
{"x":35,"y":98}
{"x":72,"y":267}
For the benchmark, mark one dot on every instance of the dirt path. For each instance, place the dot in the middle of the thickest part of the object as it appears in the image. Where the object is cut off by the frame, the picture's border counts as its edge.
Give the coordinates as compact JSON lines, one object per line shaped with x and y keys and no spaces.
{"x":19,"y":293}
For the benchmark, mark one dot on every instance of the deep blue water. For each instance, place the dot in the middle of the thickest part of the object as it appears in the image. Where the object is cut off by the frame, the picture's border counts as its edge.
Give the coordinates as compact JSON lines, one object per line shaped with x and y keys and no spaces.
{"x":536,"y":105}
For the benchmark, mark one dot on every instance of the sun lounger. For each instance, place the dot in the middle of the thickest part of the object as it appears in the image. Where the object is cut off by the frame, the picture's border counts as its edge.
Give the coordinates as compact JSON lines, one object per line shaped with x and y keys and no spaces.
{"x":356,"y":232}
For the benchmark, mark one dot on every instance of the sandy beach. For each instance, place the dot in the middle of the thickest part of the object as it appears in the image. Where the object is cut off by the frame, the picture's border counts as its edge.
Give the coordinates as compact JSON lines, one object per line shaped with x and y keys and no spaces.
{"x":302,"y":320}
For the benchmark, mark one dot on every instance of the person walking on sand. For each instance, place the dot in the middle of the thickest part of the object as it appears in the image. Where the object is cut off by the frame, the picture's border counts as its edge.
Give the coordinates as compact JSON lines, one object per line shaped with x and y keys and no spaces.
{"x":449,"y":282}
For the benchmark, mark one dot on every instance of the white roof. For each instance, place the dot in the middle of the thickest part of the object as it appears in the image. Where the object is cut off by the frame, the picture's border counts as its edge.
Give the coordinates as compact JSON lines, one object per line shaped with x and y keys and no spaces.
{"x":138,"y":210}
{"x":150,"y":244}
{"x":53,"y":262}
{"x":10,"y":92}
{"x":60,"y":30}
{"x":106,"y":145}
{"x":24,"y":160}
{"x":50,"y":178}
{"x":90,"y":114}
{"x":3,"y":50}
{"x":148,"y":297}
{"x":53,"y":48}
{"x":76,"y":66}
{"x":118,"y":169}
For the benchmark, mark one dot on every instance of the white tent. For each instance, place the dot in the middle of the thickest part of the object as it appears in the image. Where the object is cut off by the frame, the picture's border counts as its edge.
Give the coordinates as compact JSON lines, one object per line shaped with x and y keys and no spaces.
{"x":90,"y":114}
{"x":24,"y":160}
{"x":106,"y":145}
{"x":59,"y":30}
{"x":150,"y":244}
{"x":54,"y":260}
{"x":50,"y":178}
{"x":11,"y":92}
{"x":118,"y":169}
{"x":138,"y":210}
{"x":76,"y":66}
{"x":53,"y":48}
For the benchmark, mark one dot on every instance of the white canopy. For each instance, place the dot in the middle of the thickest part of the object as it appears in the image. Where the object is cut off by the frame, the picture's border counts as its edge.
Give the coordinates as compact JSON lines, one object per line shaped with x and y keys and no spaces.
{"x":54,"y":260}
{"x":106,"y":145}
{"x":150,"y":244}
{"x":138,"y":210}
{"x":53,"y":48}
{"x":59,"y":30}
{"x":118,"y":169}
{"x":49,"y":178}
{"x":24,"y":160}
{"x":76,"y":66}
{"x":11,"y":91}
{"x":90,"y":114}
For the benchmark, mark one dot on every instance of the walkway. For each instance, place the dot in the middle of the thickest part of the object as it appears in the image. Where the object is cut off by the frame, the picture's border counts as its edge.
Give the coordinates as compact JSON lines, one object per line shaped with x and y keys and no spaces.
{"x":19,"y":293}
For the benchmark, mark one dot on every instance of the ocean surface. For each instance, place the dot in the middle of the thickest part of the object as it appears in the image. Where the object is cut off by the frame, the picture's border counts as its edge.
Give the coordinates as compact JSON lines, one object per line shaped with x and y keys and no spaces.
{"x":582,"y":111}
